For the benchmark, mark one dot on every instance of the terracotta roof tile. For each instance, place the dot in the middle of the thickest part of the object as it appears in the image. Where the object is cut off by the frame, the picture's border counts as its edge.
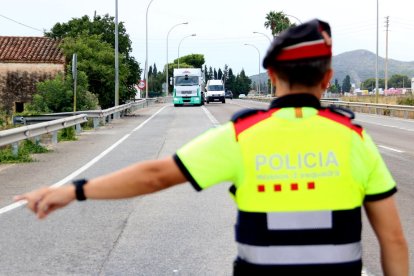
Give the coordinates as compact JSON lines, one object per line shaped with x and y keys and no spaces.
{"x":15,"y":49}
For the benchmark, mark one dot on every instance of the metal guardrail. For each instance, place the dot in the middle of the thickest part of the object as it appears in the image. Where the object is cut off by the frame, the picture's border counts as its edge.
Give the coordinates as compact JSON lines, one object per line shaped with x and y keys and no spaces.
{"x":98,"y":116}
{"x":15,"y":135}
{"x":400,"y":111}
{"x":35,"y":126}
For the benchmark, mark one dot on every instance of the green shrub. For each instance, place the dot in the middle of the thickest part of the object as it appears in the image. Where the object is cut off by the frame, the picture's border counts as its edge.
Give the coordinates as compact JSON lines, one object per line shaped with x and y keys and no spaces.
{"x":26,"y":148}
{"x":67,"y":134}
{"x":406,"y":101}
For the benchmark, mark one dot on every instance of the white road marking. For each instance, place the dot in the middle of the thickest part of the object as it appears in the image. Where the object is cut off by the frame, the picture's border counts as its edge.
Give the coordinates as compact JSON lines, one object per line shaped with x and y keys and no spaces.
{"x":211,"y":117}
{"x":84,"y":167}
{"x":383,"y":125}
{"x":392,"y":149}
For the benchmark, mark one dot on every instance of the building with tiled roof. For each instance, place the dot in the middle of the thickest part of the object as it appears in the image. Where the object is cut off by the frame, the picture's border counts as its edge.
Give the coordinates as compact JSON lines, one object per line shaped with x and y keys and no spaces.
{"x":25,"y":61}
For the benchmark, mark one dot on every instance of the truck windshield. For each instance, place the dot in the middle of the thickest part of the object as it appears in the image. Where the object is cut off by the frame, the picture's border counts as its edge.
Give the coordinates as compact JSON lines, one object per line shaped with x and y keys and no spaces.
{"x":186,"y":80}
{"x":215,"y":88}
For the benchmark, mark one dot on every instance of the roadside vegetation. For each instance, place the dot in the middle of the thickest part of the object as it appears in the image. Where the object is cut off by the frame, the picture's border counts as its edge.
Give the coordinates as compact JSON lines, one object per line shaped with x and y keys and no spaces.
{"x":26,"y":149}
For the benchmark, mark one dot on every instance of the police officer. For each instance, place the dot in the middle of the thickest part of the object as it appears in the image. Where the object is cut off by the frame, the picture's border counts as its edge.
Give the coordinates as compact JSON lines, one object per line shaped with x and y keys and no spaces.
{"x":301,"y":174}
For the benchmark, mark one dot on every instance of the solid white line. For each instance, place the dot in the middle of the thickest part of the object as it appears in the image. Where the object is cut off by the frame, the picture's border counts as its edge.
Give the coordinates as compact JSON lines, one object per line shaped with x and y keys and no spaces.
{"x":392,"y":149}
{"x":84,"y":167}
{"x":383,"y":125}
{"x":210,"y":116}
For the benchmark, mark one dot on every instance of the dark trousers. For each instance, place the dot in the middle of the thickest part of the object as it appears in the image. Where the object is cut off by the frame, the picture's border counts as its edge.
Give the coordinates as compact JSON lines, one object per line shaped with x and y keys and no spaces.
{"x":242,"y":268}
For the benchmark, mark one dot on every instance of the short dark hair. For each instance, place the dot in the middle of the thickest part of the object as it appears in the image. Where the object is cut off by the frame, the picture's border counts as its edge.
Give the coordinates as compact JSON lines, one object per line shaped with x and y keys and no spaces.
{"x":307,"y":72}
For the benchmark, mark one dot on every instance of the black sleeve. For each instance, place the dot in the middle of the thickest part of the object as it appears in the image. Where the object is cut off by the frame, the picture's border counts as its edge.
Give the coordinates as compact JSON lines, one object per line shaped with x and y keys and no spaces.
{"x":186,"y":173}
{"x":380,"y":196}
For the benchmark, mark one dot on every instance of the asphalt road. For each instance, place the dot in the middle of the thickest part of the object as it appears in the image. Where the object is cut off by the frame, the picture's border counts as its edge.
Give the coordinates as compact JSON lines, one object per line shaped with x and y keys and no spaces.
{"x":174,"y":232}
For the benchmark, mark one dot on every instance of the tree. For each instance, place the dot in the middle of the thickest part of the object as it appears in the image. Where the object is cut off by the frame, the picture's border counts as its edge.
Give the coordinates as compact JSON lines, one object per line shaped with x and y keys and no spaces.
{"x":346,"y":84}
{"x":56,"y":95}
{"x":242,"y":83}
{"x":369,"y":84}
{"x":150,"y":71}
{"x":103,"y":28}
{"x":399,"y":81}
{"x":96,"y":59}
{"x":215,"y":73}
{"x":230,"y":83}
{"x":195,"y":60}
{"x":210,"y":73}
{"x":219,"y":74}
{"x":154,"y":69}
{"x":206,"y":73}
{"x":277,"y":22}
{"x":225,"y":72}
{"x":335,"y":87}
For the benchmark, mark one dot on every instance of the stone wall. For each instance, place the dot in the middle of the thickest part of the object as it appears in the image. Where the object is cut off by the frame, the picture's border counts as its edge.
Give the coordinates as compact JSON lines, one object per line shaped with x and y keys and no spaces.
{"x":18,"y":82}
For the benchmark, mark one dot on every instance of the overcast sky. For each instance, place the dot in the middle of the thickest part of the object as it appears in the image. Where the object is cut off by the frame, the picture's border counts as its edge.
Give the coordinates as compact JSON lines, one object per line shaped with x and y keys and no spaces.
{"x":223,"y":26}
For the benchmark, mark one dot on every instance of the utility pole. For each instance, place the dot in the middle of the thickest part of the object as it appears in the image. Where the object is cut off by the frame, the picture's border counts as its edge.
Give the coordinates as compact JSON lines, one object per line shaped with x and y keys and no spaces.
{"x":116,"y":56}
{"x":387,"y":24}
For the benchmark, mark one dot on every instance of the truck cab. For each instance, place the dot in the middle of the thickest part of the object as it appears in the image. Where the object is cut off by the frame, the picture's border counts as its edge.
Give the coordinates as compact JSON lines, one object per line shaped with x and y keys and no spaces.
{"x":188,"y":87}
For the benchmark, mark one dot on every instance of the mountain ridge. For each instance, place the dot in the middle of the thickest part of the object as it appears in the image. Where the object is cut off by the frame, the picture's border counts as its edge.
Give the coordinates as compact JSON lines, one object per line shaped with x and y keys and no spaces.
{"x":360,"y":65}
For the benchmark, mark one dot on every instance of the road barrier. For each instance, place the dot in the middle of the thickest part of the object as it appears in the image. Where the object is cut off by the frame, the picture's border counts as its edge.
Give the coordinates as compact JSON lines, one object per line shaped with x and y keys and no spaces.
{"x":35,"y":126}
{"x":401,"y":111}
{"x":15,"y":135}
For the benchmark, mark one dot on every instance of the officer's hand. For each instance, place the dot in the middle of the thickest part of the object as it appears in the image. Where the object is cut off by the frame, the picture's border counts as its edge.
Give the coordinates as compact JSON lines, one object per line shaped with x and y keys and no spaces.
{"x":45,"y":200}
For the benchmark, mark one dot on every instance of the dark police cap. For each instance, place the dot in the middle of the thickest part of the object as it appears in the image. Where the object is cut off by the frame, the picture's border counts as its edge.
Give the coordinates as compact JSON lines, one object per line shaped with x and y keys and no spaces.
{"x":308,"y":40}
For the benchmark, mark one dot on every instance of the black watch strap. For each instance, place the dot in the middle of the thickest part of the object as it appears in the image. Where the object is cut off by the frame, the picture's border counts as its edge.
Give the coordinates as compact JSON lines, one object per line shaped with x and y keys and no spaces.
{"x":80,"y":194}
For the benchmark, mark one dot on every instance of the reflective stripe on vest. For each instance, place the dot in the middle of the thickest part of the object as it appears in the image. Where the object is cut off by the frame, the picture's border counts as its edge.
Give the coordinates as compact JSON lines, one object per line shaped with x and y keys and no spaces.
{"x":302,"y":254}
{"x":299,"y":220}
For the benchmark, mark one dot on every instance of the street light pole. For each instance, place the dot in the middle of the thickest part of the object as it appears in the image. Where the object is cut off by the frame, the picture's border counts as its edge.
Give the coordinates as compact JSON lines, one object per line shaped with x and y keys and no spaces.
{"x":270,"y":42}
{"x":146,"y":50}
{"x":166,"y":65}
{"x":259,"y":64}
{"x":179,"y":45}
{"x":116,"y":56}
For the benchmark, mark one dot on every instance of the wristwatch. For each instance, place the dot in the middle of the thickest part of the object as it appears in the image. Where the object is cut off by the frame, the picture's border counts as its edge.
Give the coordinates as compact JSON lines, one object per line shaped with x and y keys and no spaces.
{"x":80,"y":194}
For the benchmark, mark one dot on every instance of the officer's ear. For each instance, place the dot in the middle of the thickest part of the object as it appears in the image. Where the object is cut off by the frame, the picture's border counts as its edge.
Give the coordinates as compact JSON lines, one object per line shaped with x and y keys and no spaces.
{"x":272,"y":75}
{"x":326,"y":79}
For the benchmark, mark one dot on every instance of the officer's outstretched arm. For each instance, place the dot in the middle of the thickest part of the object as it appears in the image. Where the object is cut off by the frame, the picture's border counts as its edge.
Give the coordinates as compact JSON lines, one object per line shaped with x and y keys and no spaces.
{"x":138,"y":179}
{"x":385,"y":221}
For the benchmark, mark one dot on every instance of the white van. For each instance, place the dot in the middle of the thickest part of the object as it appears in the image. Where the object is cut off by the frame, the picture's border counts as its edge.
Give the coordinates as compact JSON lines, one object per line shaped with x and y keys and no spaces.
{"x":215,"y":91}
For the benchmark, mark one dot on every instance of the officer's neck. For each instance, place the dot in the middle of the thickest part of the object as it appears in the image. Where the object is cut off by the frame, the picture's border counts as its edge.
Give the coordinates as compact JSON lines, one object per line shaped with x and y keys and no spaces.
{"x":283,"y":90}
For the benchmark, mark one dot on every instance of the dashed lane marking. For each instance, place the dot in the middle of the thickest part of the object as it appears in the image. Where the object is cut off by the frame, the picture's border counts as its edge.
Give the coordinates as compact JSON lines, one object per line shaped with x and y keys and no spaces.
{"x":392,"y":149}
{"x":211,"y":117}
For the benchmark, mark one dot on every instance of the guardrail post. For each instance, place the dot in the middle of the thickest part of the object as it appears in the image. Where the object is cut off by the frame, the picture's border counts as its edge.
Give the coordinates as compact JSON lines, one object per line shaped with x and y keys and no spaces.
{"x":96,"y":123}
{"x":37,"y":140}
{"x":15,"y":149}
{"x":54,"y":137}
{"x":78,"y":128}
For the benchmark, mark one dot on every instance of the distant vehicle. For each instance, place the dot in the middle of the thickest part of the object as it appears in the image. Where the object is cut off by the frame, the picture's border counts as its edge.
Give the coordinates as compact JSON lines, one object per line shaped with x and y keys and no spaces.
{"x":242,"y":96}
{"x":215,"y":91}
{"x":228,"y":94}
{"x":188,"y":87}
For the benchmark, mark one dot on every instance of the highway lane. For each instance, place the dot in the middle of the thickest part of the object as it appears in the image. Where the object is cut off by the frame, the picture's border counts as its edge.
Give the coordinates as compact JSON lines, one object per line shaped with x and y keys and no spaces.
{"x":175,"y":232}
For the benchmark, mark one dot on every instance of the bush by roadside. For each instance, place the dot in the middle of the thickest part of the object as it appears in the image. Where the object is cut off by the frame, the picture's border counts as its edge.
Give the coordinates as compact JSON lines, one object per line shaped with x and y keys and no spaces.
{"x":26,"y":149}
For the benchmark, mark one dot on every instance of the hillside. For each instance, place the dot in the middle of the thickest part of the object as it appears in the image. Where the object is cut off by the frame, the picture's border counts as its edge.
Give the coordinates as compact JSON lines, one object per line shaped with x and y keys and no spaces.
{"x":360,"y":65}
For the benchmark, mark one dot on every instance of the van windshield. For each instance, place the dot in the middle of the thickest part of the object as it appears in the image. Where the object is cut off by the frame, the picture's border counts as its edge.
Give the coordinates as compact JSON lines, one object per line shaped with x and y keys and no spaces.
{"x":186,"y":80}
{"x":215,"y":88}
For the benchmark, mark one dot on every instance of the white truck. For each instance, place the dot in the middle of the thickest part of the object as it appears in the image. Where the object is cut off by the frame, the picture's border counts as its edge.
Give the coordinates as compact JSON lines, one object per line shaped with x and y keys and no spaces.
{"x":188,"y":87}
{"x":215,"y":91}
